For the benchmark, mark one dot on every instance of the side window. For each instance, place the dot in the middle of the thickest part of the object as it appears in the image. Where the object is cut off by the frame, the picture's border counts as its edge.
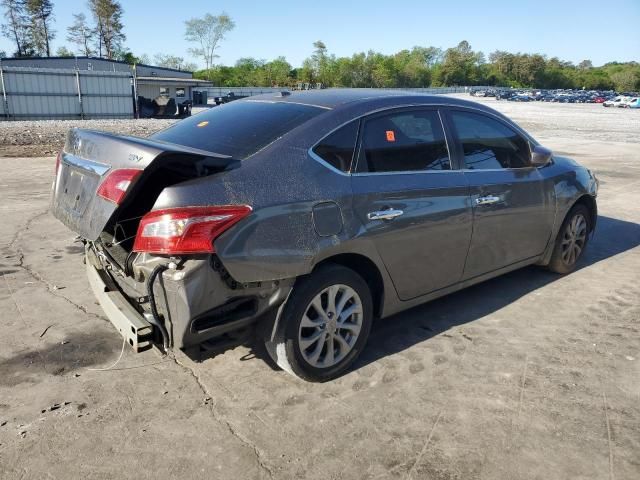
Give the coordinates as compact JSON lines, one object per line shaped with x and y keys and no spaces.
{"x":404,"y":141}
{"x":489,"y":144}
{"x":337,"y":148}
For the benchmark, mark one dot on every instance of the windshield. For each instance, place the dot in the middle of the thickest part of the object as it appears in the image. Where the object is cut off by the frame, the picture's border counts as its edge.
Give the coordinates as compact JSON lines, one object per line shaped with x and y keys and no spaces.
{"x":239,"y":128}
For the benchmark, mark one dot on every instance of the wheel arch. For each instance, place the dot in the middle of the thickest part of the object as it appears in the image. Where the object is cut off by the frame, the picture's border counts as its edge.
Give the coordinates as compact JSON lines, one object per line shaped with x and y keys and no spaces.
{"x":590,"y":203}
{"x":367,"y":269}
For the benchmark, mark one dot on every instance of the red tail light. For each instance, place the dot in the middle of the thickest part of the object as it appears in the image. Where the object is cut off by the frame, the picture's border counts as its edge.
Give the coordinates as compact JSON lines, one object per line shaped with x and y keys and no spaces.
{"x":115,"y":186}
{"x":186,"y":230}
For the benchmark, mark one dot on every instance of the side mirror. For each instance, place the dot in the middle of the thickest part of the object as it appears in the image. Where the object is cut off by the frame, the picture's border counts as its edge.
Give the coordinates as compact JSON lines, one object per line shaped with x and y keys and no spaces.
{"x":540,"y":156}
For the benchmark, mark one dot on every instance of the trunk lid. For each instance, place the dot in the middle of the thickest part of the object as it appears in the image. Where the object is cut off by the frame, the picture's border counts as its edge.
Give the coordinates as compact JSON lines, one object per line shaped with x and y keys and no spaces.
{"x":89,"y":156}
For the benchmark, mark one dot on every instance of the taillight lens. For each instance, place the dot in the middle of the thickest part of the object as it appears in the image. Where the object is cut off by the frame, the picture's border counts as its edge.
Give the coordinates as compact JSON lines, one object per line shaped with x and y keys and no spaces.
{"x":115,"y":186}
{"x":186,"y":230}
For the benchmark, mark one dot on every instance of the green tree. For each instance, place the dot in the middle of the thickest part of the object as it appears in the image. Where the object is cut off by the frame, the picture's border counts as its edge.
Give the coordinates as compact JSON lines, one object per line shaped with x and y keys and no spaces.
{"x":625,"y":80}
{"x":277,"y":72}
{"x":124,"y":55}
{"x":64,"y":52}
{"x":16,"y":26}
{"x":428,"y":66}
{"x":81,"y":35}
{"x":168,"y":61}
{"x":585,"y":65}
{"x":107,"y":15}
{"x":40,"y":31}
{"x":207,"y":32}
{"x":460,"y":65}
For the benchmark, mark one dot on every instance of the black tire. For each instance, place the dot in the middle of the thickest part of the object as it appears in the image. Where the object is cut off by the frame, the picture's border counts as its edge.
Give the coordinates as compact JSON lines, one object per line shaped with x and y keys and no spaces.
{"x":285,"y":347}
{"x":562,"y":261}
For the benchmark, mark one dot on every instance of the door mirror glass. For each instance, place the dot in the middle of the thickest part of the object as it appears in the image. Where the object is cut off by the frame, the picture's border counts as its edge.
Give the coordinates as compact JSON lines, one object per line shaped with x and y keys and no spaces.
{"x":540,"y":156}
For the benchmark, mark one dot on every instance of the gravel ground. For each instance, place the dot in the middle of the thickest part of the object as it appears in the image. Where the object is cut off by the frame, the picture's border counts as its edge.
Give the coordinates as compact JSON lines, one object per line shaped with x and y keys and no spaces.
{"x":45,"y":137}
{"x":530,"y":375}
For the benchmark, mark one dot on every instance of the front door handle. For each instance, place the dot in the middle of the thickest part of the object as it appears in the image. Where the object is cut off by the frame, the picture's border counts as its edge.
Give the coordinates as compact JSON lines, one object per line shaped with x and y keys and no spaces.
{"x":389,"y":214}
{"x":487,"y":200}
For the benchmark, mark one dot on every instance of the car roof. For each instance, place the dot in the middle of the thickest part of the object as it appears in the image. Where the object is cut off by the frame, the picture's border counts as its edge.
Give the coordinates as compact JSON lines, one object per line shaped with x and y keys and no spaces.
{"x":334,"y":98}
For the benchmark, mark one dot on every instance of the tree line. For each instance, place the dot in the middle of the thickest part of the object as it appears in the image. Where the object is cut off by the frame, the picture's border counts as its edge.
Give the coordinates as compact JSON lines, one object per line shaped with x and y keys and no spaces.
{"x":29,"y":25}
{"x":99,"y":32}
{"x":428,"y":67}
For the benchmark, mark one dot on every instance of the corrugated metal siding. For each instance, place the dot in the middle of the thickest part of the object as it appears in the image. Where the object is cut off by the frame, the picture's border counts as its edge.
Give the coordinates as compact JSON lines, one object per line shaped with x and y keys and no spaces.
{"x":34,"y":93}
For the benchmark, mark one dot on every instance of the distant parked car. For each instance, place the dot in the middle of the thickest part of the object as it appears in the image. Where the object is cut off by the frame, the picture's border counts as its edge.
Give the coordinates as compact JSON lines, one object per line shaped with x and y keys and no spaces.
{"x":633,"y":103}
{"x":504,"y":95}
{"x":229,"y":97}
{"x":599,"y":99}
{"x":615,"y":102}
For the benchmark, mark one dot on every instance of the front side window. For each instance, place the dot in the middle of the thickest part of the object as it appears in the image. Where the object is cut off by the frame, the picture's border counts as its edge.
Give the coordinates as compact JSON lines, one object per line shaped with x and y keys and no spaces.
{"x":404,"y":142}
{"x":337,"y":148}
{"x":488,"y":144}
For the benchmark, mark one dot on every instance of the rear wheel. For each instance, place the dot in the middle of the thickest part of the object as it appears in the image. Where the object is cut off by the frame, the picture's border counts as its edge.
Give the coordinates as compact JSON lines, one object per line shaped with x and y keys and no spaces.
{"x":571,"y":241}
{"x":324,"y":324}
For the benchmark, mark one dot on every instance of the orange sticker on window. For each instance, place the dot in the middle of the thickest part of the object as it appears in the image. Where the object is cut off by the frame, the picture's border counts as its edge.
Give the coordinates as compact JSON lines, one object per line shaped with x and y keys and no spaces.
{"x":203,"y":124}
{"x":391,"y":136}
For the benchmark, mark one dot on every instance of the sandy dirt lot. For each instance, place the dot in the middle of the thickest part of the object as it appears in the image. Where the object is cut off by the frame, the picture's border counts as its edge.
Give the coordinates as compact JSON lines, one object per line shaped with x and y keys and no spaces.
{"x":530,"y":375}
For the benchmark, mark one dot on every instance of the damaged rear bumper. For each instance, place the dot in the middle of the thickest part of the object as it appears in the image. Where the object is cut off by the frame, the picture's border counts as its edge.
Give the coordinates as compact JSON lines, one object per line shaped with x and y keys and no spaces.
{"x":137,"y":331}
{"x":194,"y":301}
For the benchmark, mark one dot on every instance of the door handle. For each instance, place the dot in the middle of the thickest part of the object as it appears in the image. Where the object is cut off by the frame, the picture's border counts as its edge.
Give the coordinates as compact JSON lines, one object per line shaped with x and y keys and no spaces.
{"x":389,"y":214}
{"x":487,"y":200}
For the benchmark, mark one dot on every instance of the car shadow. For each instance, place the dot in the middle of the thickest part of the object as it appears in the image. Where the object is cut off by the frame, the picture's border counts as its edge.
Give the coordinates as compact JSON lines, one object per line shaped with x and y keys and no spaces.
{"x":403,"y":330}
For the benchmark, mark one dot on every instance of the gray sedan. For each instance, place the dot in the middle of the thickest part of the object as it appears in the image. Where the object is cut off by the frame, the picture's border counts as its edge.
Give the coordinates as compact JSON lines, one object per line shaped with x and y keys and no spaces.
{"x":304,"y":216}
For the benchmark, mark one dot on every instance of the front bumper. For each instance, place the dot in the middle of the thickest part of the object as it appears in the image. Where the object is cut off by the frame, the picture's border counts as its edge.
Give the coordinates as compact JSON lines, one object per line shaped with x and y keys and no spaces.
{"x":137,"y":331}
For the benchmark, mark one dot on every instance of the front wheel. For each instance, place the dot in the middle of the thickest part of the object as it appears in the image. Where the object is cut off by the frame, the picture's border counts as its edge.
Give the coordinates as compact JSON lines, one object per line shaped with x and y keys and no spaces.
{"x":571,"y":240}
{"x":324,"y":325}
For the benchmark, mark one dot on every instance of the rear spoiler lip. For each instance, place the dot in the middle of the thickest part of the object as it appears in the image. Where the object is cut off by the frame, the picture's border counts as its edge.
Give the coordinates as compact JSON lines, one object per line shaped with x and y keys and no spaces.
{"x":75,"y":136}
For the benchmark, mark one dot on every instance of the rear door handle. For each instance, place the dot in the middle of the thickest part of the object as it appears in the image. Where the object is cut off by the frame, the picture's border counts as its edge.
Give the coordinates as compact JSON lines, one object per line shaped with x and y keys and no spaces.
{"x":487,"y":200}
{"x":389,"y":214}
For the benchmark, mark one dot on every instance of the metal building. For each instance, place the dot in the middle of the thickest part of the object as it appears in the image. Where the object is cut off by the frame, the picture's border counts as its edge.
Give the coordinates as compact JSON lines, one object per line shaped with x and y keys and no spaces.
{"x":47,"y":93}
{"x":86,"y":87}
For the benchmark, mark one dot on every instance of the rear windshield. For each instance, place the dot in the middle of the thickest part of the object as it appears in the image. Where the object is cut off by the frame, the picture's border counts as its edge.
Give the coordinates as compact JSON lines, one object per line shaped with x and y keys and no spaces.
{"x":240,"y":128}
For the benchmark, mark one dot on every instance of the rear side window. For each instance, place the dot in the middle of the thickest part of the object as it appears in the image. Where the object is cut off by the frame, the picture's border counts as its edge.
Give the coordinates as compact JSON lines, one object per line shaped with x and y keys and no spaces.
{"x":404,"y":141}
{"x":489,"y":144}
{"x":239,"y":128}
{"x":337,"y":148}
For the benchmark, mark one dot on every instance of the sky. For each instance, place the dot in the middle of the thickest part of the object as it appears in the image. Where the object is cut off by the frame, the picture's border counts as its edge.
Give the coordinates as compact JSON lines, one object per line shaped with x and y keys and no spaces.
{"x":571,"y":30}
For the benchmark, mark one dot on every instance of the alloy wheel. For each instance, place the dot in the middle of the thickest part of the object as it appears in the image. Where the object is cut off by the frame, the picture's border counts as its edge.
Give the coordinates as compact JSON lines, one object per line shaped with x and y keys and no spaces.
{"x":574,"y":239}
{"x":330,"y":326}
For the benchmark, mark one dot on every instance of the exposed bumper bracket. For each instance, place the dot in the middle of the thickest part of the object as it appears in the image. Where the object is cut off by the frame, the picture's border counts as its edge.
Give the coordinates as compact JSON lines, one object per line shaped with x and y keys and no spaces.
{"x":132,"y":326}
